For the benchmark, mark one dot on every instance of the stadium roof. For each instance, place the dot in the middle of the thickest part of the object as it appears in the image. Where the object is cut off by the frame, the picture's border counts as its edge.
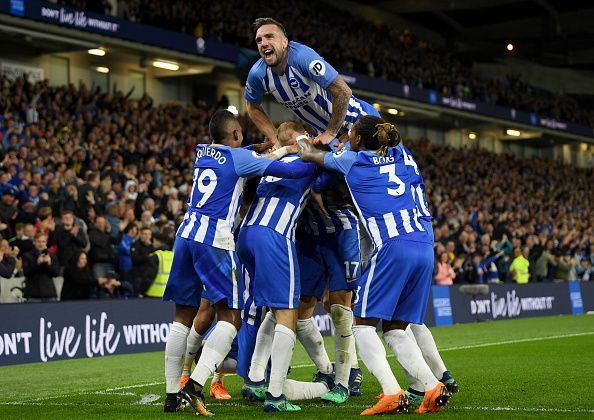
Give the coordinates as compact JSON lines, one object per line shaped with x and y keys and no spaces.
{"x":550,"y":32}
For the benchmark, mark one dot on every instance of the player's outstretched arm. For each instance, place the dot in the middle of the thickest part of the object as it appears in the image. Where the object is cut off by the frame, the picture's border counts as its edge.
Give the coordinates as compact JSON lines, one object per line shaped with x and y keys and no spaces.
{"x":290,"y":170}
{"x":262,"y":121}
{"x":341,"y":94}
{"x":309,"y":153}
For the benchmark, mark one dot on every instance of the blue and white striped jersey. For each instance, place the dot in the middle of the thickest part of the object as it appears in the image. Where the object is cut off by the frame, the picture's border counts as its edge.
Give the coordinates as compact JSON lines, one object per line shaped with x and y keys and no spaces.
{"x":219,"y":176}
{"x":338,"y":203}
{"x":382,"y":192}
{"x":303,"y":88}
{"x":279,"y":202}
{"x":417,"y":189}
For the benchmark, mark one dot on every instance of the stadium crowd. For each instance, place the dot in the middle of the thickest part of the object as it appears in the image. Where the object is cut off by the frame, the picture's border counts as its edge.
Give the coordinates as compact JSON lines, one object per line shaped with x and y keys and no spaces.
{"x":378,"y":51}
{"x":93,"y":183}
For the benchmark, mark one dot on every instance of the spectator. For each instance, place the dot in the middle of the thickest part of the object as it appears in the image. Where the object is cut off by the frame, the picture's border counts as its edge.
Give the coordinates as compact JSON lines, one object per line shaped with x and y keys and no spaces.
{"x":8,"y":211}
{"x":582,"y":271}
{"x":70,"y":238}
{"x":102,"y":254}
{"x":123,"y":250}
{"x":79,"y":279}
{"x":445,"y":274}
{"x":40,"y":268}
{"x":10,"y":262}
{"x":519,"y":268}
{"x":23,"y":239}
{"x":144,"y":268}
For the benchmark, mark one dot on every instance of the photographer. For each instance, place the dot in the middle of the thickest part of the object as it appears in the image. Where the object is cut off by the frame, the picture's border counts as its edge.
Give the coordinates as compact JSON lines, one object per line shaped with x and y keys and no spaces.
{"x":40,"y":268}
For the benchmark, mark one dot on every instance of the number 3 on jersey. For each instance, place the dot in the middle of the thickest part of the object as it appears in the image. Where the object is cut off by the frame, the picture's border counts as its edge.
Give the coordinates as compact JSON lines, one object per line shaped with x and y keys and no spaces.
{"x":205,"y":182}
{"x":391,"y":171}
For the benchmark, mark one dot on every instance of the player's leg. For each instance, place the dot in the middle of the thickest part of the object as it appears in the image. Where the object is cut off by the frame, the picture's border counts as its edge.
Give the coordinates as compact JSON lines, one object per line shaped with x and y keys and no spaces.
{"x":229,"y":366}
{"x":377,"y":294}
{"x":277,"y":285}
{"x":342,"y":259}
{"x":202,"y":322}
{"x":220,"y":272}
{"x":426,"y":343}
{"x":255,"y":386}
{"x":184,"y":288}
{"x":415,"y":263}
{"x":282,"y":352}
{"x":224,"y":285}
{"x":313,"y":281}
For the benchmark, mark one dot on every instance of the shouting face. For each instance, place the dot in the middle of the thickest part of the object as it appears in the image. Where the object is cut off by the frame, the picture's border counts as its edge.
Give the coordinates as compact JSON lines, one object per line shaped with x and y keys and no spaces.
{"x":272,"y":44}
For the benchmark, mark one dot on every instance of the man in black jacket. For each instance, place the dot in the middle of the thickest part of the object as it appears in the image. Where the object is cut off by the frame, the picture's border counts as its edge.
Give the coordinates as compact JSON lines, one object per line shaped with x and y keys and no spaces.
{"x":102,"y":253}
{"x":144,"y":267}
{"x":70,"y":238}
{"x":40,"y":268}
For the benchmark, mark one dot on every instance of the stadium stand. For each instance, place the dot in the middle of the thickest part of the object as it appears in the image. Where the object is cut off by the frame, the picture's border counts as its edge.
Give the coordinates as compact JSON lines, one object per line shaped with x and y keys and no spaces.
{"x":378,"y":51}
{"x":74,"y":158}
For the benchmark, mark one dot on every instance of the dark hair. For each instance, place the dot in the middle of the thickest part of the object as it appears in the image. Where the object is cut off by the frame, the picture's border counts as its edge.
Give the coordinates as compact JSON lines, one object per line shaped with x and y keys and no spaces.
{"x":259,"y":22}
{"x":218,"y":125}
{"x":377,"y":134}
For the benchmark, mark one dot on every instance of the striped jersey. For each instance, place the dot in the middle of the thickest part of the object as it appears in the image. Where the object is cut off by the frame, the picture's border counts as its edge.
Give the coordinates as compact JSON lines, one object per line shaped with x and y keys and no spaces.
{"x":219,"y":176}
{"x":279,"y":202}
{"x":383,"y":193}
{"x":338,"y":204}
{"x":417,"y":189}
{"x":302,"y":88}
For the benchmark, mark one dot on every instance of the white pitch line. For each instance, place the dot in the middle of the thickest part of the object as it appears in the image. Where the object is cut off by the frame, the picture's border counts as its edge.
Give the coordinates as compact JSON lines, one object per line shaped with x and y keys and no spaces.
{"x":307,"y":365}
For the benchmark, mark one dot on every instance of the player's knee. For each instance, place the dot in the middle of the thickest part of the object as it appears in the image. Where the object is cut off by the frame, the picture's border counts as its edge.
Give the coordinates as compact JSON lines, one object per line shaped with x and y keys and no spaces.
{"x":341,"y":297}
{"x":185,"y":314}
{"x":394,"y":325}
{"x":342,"y":317}
{"x":307,"y":305}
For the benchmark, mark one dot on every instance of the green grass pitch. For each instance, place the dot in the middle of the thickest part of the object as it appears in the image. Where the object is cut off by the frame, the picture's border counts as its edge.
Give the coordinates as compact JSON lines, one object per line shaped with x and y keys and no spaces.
{"x":528,"y":368}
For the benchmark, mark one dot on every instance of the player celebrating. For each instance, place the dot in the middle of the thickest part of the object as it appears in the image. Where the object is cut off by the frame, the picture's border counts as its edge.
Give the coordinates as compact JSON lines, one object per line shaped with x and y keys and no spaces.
{"x":266,"y":246}
{"x":395,"y":284}
{"x":301,"y":80}
{"x":204,"y":253}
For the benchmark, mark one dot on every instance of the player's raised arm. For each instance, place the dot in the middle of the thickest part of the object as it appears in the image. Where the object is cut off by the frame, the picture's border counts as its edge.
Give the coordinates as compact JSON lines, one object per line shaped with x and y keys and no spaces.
{"x":341,"y":94}
{"x":262,"y":121}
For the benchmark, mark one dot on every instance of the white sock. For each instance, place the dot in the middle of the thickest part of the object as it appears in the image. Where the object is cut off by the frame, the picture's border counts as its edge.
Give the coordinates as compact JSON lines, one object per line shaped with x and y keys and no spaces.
{"x":192,"y":345}
{"x":429,"y":349}
{"x":410,"y":358}
{"x":373,"y":354}
{"x":217,"y":377}
{"x":342,"y":317}
{"x":229,"y":365}
{"x":174,"y":356}
{"x":296,"y":390}
{"x":282,"y":351}
{"x":410,"y":333}
{"x":262,"y":349}
{"x":214,"y":352}
{"x":312,"y":340}
{"x":413,"y":382}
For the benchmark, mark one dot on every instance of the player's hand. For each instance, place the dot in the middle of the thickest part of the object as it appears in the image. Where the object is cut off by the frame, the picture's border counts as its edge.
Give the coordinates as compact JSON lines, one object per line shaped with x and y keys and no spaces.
{"x":325,"y":138}
{"x":292,"y":148}
{"x":263,"y":147}
{"x":319,"y":202}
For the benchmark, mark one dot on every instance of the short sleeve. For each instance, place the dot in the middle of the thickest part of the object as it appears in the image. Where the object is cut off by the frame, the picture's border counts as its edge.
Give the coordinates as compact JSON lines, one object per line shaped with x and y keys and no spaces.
{"x":340,"y":161}
{"x":254,"y":90}
{"x":248,"y":163}
{"x":313,"y":66}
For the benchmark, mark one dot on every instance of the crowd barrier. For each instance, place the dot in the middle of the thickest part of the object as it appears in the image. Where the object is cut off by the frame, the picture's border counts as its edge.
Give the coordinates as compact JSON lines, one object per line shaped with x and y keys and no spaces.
{"x":42,"y":332}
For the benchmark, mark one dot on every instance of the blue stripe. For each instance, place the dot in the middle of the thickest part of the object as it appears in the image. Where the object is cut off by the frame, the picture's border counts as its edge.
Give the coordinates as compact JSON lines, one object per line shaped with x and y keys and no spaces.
{"x":315,"y":114}
{"x":315,"y":126}
{"x":279,"y":87}
{"x":322,"y":102}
